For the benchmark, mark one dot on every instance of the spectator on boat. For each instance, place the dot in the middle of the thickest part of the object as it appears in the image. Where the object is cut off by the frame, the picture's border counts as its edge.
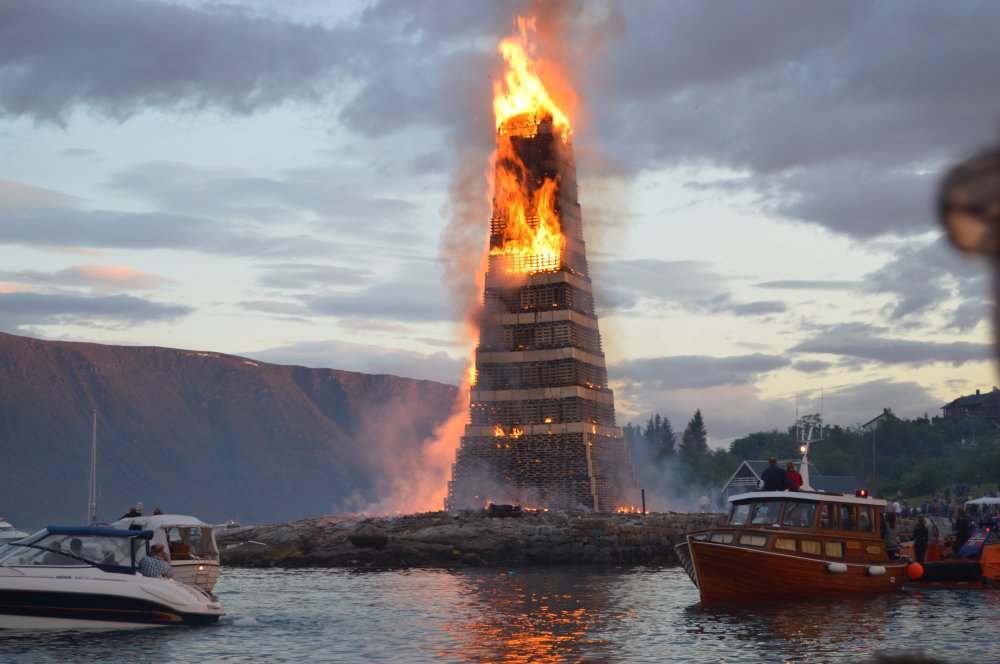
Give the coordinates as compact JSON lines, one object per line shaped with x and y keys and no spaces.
{"x":157,"y":512}
{"x":775,"y":479}
{"x":55,"y":556}
{"x":76,"y":547}
{"x":962,"y":529}
{"x":133,"y":511}
{"x":156,"y":564}
{"x":793,"y":474}
{"x":890,"y":533}
{"x":920,"y":537}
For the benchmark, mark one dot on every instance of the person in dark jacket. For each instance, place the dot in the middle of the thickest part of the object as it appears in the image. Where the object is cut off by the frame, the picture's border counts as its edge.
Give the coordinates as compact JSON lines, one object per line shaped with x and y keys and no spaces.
{"x":962,"y":529}
{"x":920,"y":536}
{"x":775,"y":479}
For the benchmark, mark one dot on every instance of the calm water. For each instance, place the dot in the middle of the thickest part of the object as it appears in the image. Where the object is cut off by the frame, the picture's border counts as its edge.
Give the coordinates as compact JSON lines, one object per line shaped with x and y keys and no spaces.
{"x":537,"y":615}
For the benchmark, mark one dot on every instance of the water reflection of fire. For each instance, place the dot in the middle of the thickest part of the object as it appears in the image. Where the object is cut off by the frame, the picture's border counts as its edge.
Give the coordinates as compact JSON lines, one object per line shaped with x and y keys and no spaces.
{"x":533,"y":616}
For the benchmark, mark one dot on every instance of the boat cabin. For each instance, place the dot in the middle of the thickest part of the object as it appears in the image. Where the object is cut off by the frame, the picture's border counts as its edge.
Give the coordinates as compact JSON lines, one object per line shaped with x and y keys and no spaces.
{"x":829,"y":526}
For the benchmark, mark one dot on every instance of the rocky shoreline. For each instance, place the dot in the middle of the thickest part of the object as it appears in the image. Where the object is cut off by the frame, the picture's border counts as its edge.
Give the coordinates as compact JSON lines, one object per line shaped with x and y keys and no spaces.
{"x":439,"y":539}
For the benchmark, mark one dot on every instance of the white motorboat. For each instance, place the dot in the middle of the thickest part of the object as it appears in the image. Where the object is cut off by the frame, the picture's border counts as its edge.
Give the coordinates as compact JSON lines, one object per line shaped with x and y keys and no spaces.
{"x":189,"y":542}
{"x":73,"y":577}
{"x":9,"y":533}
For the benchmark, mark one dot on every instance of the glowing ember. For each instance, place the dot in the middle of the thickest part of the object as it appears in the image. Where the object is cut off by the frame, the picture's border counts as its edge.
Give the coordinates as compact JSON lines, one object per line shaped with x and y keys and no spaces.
{"x":531,"y":236}
{"x":498,"y":431}
{"x":516,"y":433}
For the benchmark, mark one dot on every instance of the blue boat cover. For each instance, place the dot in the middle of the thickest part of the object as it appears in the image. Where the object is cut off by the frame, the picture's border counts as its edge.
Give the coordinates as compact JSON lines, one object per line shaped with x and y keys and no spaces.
{"x":97,"y":531}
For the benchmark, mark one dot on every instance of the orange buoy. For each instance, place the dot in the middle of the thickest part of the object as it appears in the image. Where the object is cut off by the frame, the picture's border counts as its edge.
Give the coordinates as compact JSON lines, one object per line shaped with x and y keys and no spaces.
{"x":914,"y":571}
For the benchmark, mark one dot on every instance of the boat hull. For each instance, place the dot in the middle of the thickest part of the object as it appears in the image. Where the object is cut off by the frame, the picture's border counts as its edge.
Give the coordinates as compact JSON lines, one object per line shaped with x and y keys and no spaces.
{"x":24,"y":609}
{"x":726,"y":572}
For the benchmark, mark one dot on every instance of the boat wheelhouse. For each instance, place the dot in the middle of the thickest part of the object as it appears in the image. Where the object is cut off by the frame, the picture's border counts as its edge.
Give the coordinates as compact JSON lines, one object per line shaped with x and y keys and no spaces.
{"x":793,"y":544}
{"x":189,"y":543}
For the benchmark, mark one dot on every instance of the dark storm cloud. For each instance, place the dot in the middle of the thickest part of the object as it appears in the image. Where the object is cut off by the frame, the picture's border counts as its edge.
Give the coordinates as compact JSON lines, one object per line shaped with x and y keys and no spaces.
{"x":857,"y":404}
{"x":121,"y":56}
{"x":813,"y":366}
{"x":805,"y":284}
{"x":695,"y":371}
{"x":626,"y":284}
{"x":411,"y":295}
{"x":25,"y":309}
{"x":835,"y":111}
{"x":299,"y":276}
{"x":724,"y":305}
{"x":863,"y":342}
{"x":64,"y":227}
{"x":690,"y":285}
{"x":325,"y":192}
{"x":924,"y":279}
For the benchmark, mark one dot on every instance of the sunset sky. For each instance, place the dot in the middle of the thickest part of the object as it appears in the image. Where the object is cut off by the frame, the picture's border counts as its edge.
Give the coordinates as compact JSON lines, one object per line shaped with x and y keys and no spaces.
{"x":289,"y":182}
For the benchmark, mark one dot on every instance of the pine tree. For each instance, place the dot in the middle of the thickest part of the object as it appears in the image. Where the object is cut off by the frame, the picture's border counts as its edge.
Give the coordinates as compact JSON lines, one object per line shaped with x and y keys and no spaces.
{"x":694,"y":441}
{"x":666,"y":440}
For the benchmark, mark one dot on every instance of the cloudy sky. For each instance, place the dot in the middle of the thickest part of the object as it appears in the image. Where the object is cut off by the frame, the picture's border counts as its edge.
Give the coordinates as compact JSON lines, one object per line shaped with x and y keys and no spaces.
{"x":295,"y":182}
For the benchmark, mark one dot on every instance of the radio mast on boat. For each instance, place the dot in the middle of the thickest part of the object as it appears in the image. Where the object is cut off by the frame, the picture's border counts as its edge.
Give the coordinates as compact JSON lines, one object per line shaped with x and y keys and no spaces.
{"x":92,"y":517}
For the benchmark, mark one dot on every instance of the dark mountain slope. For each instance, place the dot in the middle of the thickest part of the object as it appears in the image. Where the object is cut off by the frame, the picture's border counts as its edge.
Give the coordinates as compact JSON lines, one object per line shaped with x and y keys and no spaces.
{"x":207,"y":434}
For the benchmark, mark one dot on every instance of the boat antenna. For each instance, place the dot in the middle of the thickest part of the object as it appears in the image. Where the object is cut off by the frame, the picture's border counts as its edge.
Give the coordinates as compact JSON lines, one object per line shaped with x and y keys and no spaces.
{"x":92,"y":516}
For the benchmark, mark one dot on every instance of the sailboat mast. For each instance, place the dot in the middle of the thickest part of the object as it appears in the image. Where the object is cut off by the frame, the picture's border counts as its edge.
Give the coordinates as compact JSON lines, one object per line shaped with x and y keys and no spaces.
{"x":92,"y":518}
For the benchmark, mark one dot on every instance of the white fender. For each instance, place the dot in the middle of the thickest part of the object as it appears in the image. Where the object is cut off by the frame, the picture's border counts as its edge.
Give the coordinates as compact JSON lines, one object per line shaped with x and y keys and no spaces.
{"x":836,"y":568}
{"x":876,"y":570}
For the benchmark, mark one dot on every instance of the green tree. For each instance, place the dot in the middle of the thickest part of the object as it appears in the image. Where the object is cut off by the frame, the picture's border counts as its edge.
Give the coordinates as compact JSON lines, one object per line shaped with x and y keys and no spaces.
{"x":694,"y":441}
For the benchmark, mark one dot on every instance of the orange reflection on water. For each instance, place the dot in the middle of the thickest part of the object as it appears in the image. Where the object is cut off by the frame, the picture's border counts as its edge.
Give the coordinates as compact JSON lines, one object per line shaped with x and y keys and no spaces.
{"x":551,"y":623}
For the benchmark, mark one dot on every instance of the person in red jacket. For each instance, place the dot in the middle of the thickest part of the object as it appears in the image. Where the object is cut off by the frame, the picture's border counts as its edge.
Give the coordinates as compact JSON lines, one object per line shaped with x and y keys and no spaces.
{"x":793,"y":474}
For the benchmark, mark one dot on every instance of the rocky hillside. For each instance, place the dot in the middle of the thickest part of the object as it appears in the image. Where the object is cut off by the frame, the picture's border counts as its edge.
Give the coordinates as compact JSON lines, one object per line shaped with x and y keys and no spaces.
{"x":213,"y":435}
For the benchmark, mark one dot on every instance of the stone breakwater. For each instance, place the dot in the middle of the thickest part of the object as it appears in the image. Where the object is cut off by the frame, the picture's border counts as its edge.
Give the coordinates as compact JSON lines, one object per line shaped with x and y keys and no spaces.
{"x":439,"y":539}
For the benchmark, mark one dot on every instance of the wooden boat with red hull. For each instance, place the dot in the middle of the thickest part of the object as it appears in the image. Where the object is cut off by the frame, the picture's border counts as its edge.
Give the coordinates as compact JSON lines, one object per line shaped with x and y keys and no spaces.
{"x":788,"y":545}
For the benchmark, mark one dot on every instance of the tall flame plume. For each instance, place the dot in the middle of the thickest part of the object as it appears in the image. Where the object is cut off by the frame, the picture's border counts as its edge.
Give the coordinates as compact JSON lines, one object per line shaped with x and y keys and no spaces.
{"x":532,"y":239}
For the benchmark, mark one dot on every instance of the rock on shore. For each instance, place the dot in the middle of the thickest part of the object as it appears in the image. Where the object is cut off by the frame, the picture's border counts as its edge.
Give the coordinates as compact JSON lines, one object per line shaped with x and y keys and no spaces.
{"x":439,"y":539}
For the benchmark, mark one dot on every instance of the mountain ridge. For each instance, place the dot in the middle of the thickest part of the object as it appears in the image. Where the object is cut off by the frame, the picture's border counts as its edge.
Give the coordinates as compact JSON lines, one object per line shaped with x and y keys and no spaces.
{"x":204,"y":433}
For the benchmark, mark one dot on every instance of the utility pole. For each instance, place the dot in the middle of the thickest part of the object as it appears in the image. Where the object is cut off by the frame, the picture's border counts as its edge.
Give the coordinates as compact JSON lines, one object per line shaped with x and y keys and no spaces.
{"x":873,"y":452}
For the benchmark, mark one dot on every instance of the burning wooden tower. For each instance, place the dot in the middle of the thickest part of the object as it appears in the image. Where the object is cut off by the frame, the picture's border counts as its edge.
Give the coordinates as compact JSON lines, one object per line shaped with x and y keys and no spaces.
{"x":542,"y":429}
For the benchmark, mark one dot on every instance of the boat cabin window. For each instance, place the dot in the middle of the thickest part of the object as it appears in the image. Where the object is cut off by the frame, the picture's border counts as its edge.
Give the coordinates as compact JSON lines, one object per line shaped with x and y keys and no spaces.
{"x":68,"y":550}
{"x":765,"y":513}
{"x":848,"y":518}
{"x":828,"y":516}
{"x":865,"y":519}
{"x":739,"y":513}
{"x":799,"y":514}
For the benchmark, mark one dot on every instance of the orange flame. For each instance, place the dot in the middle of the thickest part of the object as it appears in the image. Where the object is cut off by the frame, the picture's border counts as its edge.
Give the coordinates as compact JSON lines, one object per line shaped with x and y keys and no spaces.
{"x":525,"y":93}
{"x":532,"y":239}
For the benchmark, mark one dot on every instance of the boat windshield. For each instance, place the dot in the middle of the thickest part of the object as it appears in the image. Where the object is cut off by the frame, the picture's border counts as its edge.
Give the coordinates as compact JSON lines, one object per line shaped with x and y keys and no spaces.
{"x":191,"y":542}
{"x":799,"y":514}
{"x":71,"y":550}
{"x":766,"y":513}
{"x":738,"y":515}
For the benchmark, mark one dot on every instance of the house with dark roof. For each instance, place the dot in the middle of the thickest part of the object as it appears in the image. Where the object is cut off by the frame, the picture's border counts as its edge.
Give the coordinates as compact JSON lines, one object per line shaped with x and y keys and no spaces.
{"x":878,"y":420}
{"x":747,"y":476}
{"x":986,"y":406}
